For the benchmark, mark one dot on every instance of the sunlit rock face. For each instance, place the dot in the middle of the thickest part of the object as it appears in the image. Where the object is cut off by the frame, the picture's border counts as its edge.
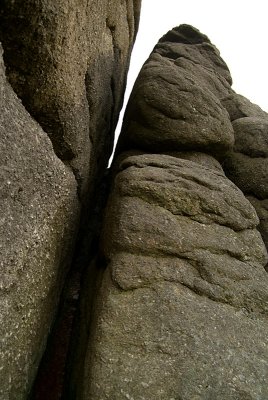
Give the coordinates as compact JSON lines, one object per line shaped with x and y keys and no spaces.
{"x":182,"y":301}
{"x":61,"y":91}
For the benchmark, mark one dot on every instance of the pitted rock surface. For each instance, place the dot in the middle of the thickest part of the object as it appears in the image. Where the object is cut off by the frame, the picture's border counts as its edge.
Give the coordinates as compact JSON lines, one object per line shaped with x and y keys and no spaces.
{"x":176,"y":101}
{"x":73,"y":86}
{"x":182,"y":301}
{"x":180,"y":243}
{"x":38,"y":224}
{"x":247,"y":164}
{"x":240,"y":107}
{"x":67,"y":62}
{"x":174,"y":296}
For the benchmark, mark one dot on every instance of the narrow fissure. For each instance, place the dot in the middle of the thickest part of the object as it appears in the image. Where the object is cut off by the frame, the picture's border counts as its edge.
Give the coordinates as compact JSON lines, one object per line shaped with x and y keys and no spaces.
{"x":62,"y":341}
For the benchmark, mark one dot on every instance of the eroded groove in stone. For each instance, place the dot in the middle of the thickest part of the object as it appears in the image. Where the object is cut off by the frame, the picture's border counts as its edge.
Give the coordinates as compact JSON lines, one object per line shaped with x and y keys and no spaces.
{"x":181,"y":311}
{"x":67,"y":41}
{"x":174,"y":296}
{"x":247,"y":164}
{"x":68,"y":68}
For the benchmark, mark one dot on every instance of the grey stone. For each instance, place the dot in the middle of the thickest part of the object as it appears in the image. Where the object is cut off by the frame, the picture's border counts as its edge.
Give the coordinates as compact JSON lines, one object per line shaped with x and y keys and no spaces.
{"x":251,"y":136}
{"x":261,"y":207}
{"x":38,"y":224}
{"x":182,"y":308}
{"x":67,"y":62}
{"x":176,"y":104}
{"x":249,"y":174}
{"x":189,"y":42}
{"x":239,"y":107}
{"x":200,"y":158}
{"x":73,"y":86}
{"x":247,"y":165}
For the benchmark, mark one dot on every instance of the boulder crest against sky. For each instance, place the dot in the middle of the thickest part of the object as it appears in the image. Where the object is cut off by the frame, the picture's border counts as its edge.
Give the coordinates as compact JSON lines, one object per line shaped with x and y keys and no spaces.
{"x":176,"y":100}
{"x":182,"y":306}
{"x":173,"y":301}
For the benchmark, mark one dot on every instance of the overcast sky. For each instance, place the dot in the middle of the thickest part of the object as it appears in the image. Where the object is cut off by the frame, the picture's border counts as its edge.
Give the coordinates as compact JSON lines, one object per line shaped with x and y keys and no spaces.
{"x":238,"y":28}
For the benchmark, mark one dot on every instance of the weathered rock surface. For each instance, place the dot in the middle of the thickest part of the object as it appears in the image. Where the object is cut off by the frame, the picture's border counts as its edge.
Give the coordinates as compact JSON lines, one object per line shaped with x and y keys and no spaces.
{"x":181,"y":300}
{"x":176,"y":100}
{"x":74,"y":82}
{"x":67,"y":62}
{"x":240,"y":107}
{"x":182,"y":308}
{"x":38,"y":224}
{"x":247,"y":164}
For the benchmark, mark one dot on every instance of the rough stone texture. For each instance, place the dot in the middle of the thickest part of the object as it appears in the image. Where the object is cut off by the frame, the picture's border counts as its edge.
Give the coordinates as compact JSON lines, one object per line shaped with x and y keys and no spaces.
{"x":67,"y":62}
{"x":240,"y":107}
{"x":181,"y":293}
{"x":73,"y":84}
{"x":39,"y":218}
{"x":247,"y":164}
{"x":176,"y":100}
{"x":182,"y":300}
{"x":182,"y":308}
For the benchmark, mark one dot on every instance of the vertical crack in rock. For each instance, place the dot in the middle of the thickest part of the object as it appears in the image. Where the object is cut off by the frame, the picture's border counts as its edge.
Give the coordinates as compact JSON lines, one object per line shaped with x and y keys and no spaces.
{"x":39,"y":222}
{"x":60,"y":61}
{"x":174,"y":297}
{"x":182,"y":302}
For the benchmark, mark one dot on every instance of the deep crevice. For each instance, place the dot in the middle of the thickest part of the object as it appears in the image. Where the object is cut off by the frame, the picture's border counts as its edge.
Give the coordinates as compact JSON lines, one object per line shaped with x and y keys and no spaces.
{"x":54,"y":370}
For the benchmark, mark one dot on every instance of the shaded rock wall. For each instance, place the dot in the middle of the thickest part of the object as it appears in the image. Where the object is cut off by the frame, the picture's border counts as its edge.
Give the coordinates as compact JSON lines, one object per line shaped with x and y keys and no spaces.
{"x":71,"y":71}
{"x":39,"y":220}
{"x":181,"y":307}
{"x":67,"y":63}
{"x":247,"y":165}
{"x":174,"y":304}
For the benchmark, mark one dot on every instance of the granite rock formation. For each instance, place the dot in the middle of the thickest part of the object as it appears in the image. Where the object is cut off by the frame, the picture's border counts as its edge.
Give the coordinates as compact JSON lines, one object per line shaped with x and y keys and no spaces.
{"x":61,"y":92}
{"x":71,"y":72}
{"x":182,"y":308}
{"x":247,"y":165}
{"x":175,"y":103}
{"x":174,"y":300}
{"x":182,"y":301}
{"x":39,"y":220}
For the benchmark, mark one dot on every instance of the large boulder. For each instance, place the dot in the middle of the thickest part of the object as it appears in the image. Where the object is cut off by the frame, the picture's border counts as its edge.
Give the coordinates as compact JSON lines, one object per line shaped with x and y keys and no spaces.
{"x":176,"y":101}
{"x":67,"y":62}
{"x":71,"y":72}
{"x":239,"y":107}
{"x":38,"y":224}
{"x":181,"y":312}
{"x":247,"y":164}
{"x":181,"y":304}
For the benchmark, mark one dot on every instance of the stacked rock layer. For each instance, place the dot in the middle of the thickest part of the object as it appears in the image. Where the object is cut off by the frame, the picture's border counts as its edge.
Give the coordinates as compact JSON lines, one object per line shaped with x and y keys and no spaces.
{"x":181,"y":311}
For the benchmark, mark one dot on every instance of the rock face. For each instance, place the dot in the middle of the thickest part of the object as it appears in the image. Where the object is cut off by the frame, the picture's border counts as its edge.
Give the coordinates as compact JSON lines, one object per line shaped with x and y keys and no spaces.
{"x":175,"y":302}
{"x":39,"y":220}
{"x":247,"y":165}
{"x":184,"y":297}
{"x":181,"y":308}
{"x":175,"y":103}
{"x":67,"y":62}
{"x":73,"y":85}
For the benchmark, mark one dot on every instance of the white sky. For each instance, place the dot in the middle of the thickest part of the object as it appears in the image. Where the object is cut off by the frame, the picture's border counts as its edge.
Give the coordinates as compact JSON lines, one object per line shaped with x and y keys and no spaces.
{"x":238,"y":28}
